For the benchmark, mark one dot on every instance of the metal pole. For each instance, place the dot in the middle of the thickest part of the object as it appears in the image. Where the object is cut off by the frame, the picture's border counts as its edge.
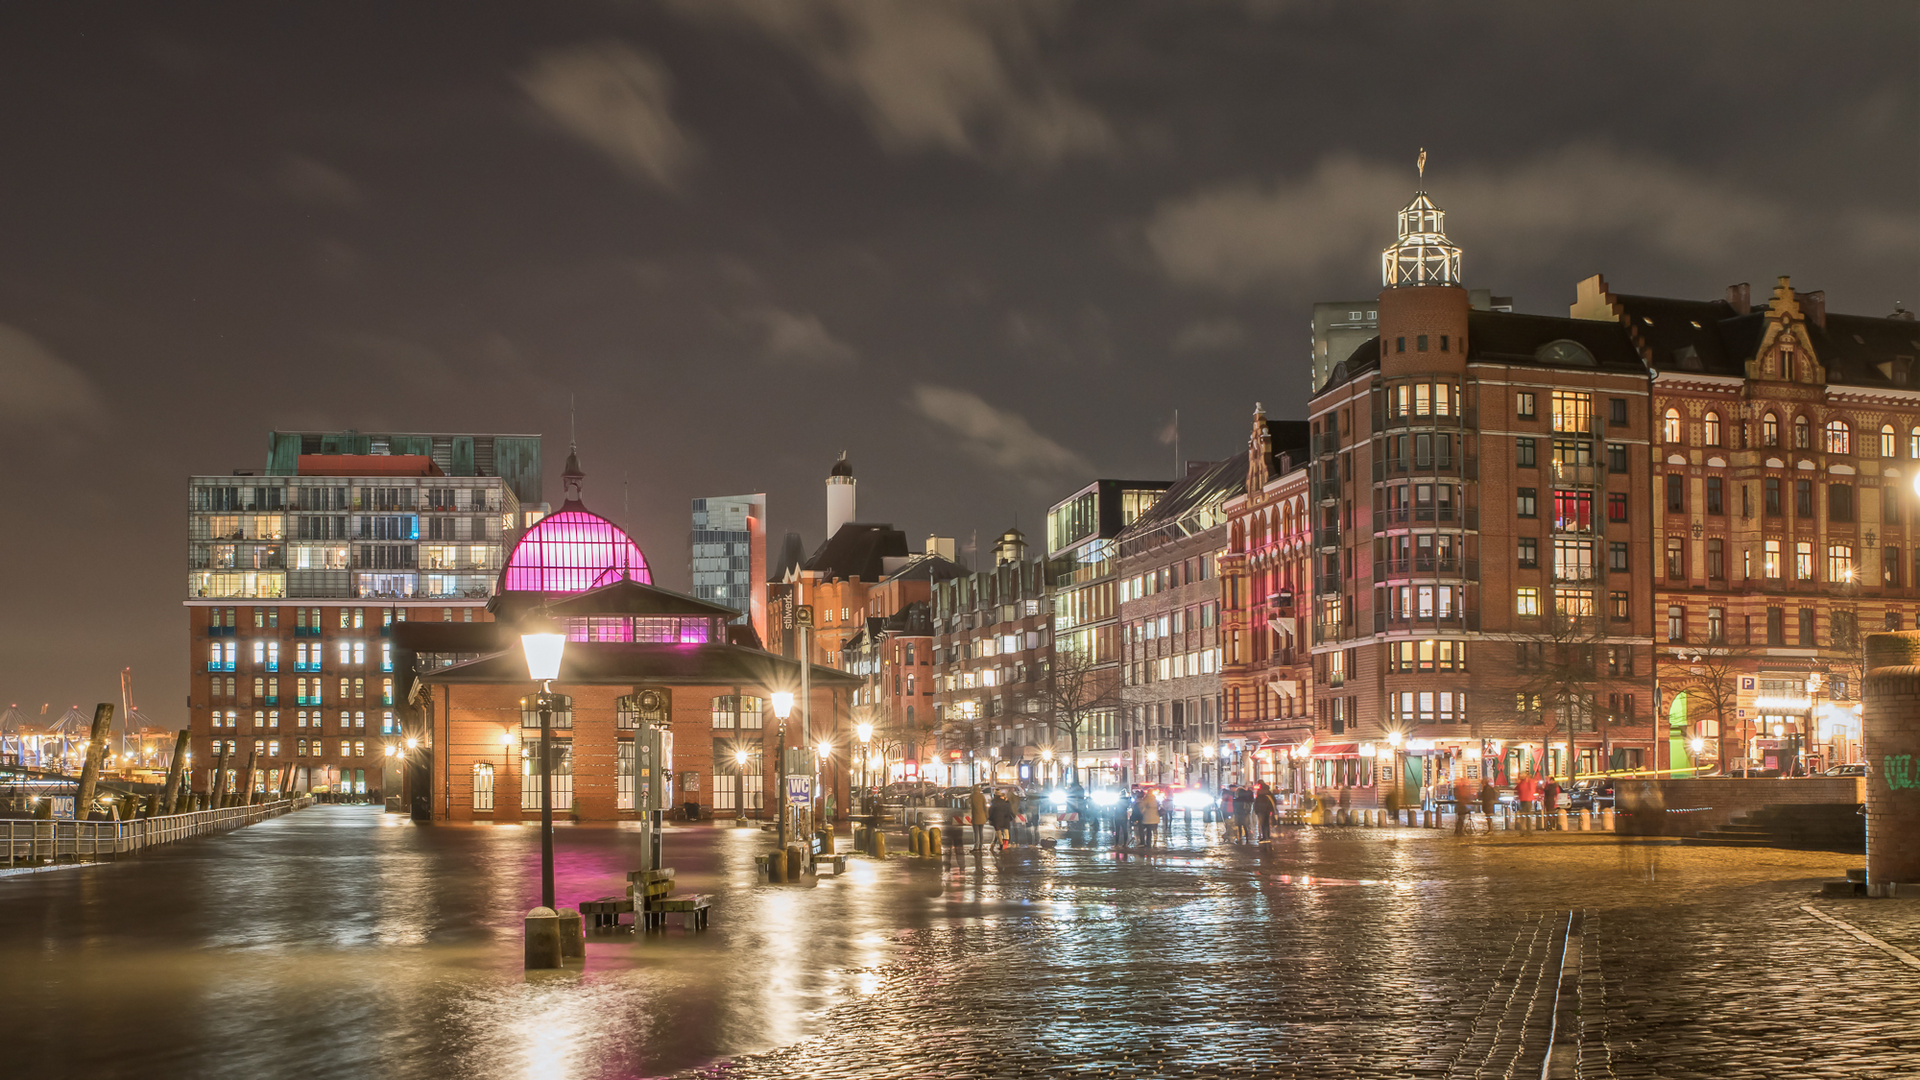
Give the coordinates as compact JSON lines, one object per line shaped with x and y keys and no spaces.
{"x":780,"y":790}
{"x":545,"y":705}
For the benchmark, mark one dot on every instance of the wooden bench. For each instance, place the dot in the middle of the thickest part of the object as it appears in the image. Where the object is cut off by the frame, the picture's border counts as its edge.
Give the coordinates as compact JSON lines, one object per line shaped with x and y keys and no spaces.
{"x":690,"y":911}
{"x":838,"y":861}
{"x":607,"y":910}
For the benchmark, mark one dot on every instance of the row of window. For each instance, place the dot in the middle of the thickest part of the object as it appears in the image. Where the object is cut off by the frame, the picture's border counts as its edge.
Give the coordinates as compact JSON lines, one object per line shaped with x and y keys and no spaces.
{"x":1836,"y":437}
{"x":1843,"y":628}
{"x":1178,"y":666}
{"x":1172,"y":576}
{"x":269,"y":720}
{"x":270,"y":748}
{"x":1572,"y":511}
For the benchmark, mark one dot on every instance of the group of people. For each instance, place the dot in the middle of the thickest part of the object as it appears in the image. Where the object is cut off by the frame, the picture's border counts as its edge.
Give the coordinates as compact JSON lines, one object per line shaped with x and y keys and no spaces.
{"x":1244,"y":806}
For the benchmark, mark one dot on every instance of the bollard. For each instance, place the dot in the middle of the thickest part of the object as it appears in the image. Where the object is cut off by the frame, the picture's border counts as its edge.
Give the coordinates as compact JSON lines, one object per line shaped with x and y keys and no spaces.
{"x":917,"y":842}
{"x":826,"y":842}
{"x":1606,"y":819}
{"x":794,"y":862}
{"x":777,"y":867}
{"x":879,"y":845}
{"x":933,"y":842}
{"x":572,"y":942}
{"x":1560,"y":819}
{"x":543,"y":939}
{"x":859,"y":837}
{"x":1586,"y":821}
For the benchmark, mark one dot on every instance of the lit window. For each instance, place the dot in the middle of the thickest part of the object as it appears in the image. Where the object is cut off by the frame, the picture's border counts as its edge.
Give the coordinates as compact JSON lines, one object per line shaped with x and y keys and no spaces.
{"x":1711,"y":429}
{"x":1889,"y":442}
{"x":1839,"y":438}
{"x":1670,"y":427}
{"x":1803,"y":560}
{"x":1527,"y":601}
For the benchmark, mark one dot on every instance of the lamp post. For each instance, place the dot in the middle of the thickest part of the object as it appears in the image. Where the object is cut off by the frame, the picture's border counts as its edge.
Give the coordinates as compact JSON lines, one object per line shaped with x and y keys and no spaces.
{"x":740,"y":798}
{"x":782,"y":708}
{"x":543,"y":653}
{"x":864,"y":731}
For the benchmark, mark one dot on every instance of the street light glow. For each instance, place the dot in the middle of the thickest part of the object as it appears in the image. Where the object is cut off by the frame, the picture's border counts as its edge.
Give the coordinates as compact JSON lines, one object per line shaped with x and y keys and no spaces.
{"x":865,"y":731}
{"x":739,"y":757}
{"x":782,"y":703}
{"x":543,"y":655}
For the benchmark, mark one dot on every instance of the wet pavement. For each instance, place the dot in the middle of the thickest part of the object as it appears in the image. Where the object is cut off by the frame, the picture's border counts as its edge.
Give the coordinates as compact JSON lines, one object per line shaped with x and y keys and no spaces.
{"x":343,"y":942}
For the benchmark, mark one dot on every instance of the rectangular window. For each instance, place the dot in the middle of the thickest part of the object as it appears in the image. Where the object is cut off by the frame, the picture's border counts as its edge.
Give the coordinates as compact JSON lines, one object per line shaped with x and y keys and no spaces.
{"x":1616,"y":457}
{"x":1716,"y":495}
{"x":1573,"y":511}
{"x":1676,"y":623}
{"x":1572,"y":411}
{"x":1617,"y":556}
{"x":1526,"y":502}
{"x":1617,"y":412}
{"x":1890,"y":566}
{"x":1526,"y":601}
{"x":1839,"y":563}
{"x":1617,"y":506}
{"x":1716,"y":625}
{"x":1776,"y":626}
{"x":1803,"y":498}
{"x":1523,"y":452}
{"x":1523,"y":405}
{"x":1806,"y":628}
{"x":1529,"y":553}
{"x":1676,"y":559}
{"x":1619,"y":606}
{"x":1676,"y":493}
{"x":1716,"y":560}
{"x":1771,"y":502}
{"x":1803,"y":560}
{"x":1572,"y":560}
{"x":1770,"y":561}
{"x":483,"y":786}
{"x":1839,"y":502}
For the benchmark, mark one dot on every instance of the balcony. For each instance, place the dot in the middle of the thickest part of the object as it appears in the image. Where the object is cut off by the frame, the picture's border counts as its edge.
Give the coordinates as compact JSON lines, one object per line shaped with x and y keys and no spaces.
{"x":1417,"y":567}
{"x":1463,"y":418}
{"x":1406,"y":516}
{"x":1578,"y":474}
{"x":1572,"y":575}
{"x":1458,"y":620}
{"x":306,"y":631}
{"x":304,"y":699}
{"x":273,"y":665}
{"x":1326,"y":536}
{"x":1465,"y":466}
{"x":219,"y":665}
{"x":271,"y":699}
{"x":1575,"y":526}
{"x":1326,"y":490}
{"x":303,"y":665}
{"x":1326,"y":444}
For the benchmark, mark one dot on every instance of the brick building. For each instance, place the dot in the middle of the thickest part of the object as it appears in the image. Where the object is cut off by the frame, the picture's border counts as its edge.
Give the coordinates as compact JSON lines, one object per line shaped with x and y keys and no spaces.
{"x":993,"y":651}
{"x":1172,"y":641}
{"x":1266,"y":670}
{"x":297,"y":573}
{"x":1482,"y":582}
{"x":1787,"y":442}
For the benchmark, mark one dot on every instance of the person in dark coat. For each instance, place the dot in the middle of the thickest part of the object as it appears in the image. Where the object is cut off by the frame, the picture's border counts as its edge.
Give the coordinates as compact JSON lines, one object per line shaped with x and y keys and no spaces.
{"x":1263,"y":810}
{"x":1489,"y":801}
{"x":1242,"y":813}
{"x":1550,"y":798}
{"x":1000,"y":816}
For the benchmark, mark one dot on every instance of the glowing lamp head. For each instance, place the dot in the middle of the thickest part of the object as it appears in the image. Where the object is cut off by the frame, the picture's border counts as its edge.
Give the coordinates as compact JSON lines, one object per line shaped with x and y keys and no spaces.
{"x":783,"y":703}
{"x":865,"y":731}
{"x":1394,"y":739}
{"x":543,"y":655}
{"x":389,"y":751}
{"x":413,"y":744}
{"x":1698,"y":744}
{"x":825,"y":750}
{"x":739,"y":757}
{"x":1046,"y":753}
{"x":506,"y":736}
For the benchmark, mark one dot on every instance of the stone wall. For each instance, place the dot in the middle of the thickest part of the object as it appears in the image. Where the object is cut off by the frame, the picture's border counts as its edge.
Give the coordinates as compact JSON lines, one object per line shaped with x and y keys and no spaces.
{"x":1691,"y":806}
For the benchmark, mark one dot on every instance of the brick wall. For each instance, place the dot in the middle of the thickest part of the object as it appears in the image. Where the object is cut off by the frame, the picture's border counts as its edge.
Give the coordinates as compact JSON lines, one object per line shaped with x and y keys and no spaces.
{"x":1890,"y":742}
{"x":1695,"y":805}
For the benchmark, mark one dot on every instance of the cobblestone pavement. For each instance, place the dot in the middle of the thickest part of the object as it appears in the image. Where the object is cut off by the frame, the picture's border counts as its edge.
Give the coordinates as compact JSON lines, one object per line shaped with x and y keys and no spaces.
{"x":339,"y":942}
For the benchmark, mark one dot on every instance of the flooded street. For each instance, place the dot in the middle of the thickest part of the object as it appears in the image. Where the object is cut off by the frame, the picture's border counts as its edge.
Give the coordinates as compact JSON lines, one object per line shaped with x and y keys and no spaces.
{"x":343,"y":942}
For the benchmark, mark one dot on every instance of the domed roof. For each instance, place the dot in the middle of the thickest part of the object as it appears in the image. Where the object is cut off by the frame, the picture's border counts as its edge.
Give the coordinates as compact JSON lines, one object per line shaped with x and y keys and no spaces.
{"x":572,"y":551}
{"x":841,"y":467}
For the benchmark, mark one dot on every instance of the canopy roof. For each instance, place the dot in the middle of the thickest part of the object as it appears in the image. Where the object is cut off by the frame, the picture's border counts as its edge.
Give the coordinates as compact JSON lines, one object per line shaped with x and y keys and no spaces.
{"x":572,"y":551}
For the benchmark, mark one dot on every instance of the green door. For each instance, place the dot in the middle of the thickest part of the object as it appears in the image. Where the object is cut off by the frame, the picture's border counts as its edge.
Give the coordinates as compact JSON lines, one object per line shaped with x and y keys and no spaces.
{"x":1412,"y":779}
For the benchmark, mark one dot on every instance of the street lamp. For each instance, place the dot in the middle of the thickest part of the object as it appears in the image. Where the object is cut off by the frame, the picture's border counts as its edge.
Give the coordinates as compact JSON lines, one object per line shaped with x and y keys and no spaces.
{"x":740,"y":763}
{"x":543,"y":652}
{"x":782,"y":708}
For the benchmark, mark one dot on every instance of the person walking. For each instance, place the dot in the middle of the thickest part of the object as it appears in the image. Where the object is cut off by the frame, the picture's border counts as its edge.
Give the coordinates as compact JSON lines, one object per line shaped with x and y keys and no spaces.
{"x":1550,"y":801}
{"x":977,"y":807}
{"x":1122,"y":820}
{"x":1263,"y":810}
{"x":1346,"y":803}
{"x":1242,"y":812}
{"x":1149,"y":806}
{"x":1000,"y":816}
{"x":1489,"y":800}
{"x":1526,"y":791}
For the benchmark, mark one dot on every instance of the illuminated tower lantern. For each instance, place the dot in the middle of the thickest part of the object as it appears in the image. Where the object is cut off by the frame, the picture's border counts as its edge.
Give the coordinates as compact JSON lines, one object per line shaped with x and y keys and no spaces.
{"x":840,"y":485}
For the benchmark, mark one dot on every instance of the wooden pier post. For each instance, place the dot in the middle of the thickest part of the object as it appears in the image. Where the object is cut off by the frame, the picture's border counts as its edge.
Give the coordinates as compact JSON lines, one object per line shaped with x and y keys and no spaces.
{"x":246,"y":781}
{"x":96,"y":753}
{"x":172,"y":794}
{"x":217,"y":782}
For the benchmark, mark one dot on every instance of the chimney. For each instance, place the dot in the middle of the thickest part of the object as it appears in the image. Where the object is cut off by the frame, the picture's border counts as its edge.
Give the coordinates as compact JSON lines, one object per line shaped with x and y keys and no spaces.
{"x":1740,"y":298}
{"x":1814,"y":305}
{"x":942,"y":547}
{"x":840,"y":485}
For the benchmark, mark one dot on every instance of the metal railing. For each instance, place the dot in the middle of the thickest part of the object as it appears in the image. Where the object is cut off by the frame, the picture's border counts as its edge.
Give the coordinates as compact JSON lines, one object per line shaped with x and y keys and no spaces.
{"x":30,"y":841}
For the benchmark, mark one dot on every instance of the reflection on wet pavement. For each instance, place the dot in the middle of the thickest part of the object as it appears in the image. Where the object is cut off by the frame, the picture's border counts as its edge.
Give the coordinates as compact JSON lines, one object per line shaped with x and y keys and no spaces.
{"x":340,"y":941}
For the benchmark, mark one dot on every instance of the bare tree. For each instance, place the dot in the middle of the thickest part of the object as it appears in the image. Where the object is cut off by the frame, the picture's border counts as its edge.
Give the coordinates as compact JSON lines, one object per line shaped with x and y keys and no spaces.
{"x":1709,"y":675}
{"x":1074,"y":690}
{"x":1559,"y":675}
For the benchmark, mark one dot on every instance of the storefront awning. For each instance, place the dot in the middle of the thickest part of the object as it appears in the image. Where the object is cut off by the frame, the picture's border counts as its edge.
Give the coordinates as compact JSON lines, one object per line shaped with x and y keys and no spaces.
{"x":1344,"y":749}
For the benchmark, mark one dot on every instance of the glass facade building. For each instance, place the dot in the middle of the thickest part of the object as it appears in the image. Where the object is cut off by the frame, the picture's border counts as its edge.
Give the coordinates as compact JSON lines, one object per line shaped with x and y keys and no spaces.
{"x":728,"y":553}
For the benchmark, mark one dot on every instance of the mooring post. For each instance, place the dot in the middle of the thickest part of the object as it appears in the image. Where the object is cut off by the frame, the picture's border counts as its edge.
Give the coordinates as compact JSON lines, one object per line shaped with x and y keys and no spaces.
{"x":96,"y":753}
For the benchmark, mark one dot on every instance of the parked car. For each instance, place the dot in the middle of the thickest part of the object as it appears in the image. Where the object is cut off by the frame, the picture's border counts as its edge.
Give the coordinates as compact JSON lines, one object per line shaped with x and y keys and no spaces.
{"x":1590,"y":794}
{"x":1846,"y":770}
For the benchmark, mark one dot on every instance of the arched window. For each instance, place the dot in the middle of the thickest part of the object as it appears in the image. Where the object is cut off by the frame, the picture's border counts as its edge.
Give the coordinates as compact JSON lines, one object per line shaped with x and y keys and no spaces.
{"x":1713,"y":429}
{"x":1913,"y":443}
{"x":1802,"y":434}
{"x":1770,"y":431}
{"x":1889,"y":443}
{"x":1670,"y":427}
{"x":1839,"y":437}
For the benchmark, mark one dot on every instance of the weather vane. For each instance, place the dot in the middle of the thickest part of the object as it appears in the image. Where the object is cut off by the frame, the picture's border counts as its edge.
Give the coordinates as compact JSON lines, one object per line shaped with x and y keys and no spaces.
{"x":1421,"y":164}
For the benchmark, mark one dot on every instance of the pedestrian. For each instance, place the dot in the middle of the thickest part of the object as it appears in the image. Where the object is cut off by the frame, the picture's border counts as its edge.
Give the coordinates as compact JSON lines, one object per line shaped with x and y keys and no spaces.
{"x":1393,"y":803}
{"x":1525,"y":791}
{"x":1550,"y":798}
{"x":1000,"y":816}
{"x":1149,"y":807}
{"x":1025,"y":830}
{"x":1121,"y":820}
{"x":977,"y":805}
{"x":1489,"y":800}
{"x":1263,"y":810}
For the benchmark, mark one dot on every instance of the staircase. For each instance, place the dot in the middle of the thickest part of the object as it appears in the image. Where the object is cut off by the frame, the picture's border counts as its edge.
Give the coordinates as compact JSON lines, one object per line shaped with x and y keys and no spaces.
{"x":1820,"y":826}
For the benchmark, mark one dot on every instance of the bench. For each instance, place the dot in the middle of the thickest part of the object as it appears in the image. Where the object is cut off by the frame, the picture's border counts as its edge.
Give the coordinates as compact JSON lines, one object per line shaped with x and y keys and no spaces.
{"x":607,"y":910}
{"x":837,"y":860}
{"x":690,"y":911}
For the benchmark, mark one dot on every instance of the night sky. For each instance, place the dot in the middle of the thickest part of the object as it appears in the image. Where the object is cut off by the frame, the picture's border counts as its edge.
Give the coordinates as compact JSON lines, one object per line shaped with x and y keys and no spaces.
{"x":986,"y":248}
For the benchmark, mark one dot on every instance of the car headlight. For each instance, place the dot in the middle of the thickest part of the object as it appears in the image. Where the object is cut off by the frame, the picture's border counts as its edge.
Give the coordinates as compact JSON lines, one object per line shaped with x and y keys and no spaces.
{"x":1104,"y":798}
{"x":1192,"y":800}
{"x":1059,"y":797}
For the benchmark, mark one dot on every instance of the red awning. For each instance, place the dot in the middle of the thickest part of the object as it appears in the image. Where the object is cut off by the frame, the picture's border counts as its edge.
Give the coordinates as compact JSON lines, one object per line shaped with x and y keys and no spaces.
{"x":1343,"y":749}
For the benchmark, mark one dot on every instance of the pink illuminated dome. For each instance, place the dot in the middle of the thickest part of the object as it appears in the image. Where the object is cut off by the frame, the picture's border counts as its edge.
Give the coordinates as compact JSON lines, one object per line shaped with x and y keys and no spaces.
{"x":573,"y":549}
